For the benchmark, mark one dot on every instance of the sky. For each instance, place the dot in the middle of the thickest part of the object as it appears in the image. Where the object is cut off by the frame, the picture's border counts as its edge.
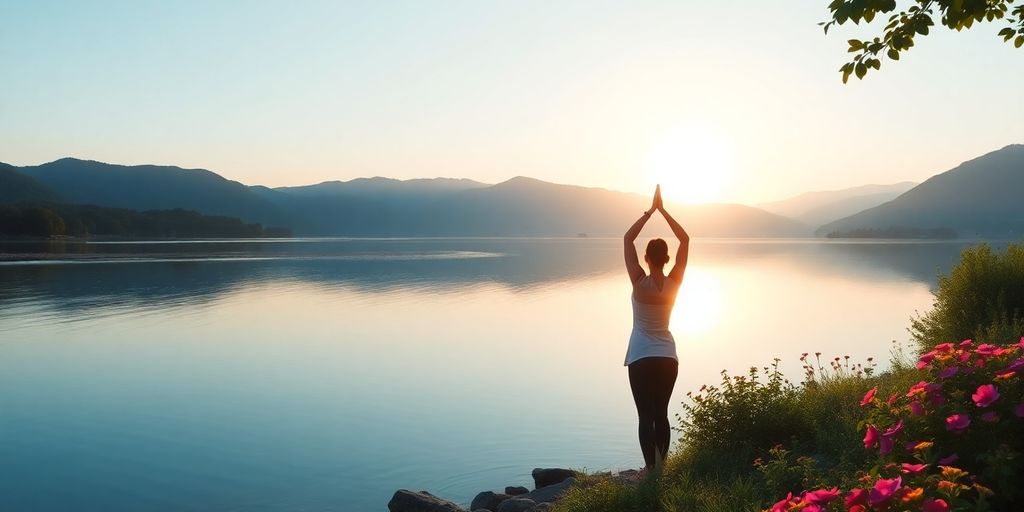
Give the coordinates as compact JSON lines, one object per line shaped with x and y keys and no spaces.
{"x":734,"y":101}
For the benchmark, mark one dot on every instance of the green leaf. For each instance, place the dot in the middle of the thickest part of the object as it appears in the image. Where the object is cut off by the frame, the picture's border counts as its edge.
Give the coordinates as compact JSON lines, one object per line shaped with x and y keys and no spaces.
{"x":894,"y":54}
{"x":1017,"y":43}
{"x":861,"y":70}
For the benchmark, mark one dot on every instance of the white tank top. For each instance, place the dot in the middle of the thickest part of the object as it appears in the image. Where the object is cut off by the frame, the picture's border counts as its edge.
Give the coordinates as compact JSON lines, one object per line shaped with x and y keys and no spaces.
{"x":652,"y":309}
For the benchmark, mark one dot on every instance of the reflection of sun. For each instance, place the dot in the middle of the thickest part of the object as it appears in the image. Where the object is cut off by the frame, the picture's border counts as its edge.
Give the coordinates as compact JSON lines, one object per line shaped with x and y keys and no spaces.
{"x":698,"y":306}
{"x":692,"y":166}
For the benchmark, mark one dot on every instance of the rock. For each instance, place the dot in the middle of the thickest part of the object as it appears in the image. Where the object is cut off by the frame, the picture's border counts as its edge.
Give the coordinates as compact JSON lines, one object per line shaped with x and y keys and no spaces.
{"x":516,"y":505}
{"x":543,"y":477}
{"x":516,"y":490}
{"x":551,"y":492}
{"x":488,"y":500}
{"x":541,"y":507}
{"x":411,"y":501}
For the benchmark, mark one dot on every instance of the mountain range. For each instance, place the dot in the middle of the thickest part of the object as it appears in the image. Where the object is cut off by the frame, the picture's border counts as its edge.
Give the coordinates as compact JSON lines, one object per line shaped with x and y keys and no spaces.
{"x":978,"y":198}
{"x":822,"y":207}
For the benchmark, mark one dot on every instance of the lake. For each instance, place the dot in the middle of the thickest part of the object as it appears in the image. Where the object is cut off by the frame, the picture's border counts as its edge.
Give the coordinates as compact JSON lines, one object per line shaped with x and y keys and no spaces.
{"x":324,"y":374}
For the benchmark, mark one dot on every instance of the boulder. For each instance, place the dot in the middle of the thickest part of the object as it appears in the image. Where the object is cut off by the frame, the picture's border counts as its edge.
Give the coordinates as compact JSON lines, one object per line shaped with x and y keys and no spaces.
{"x":488,"y":500}
{"x":411,"y":501}
{"x":541,"y":507}
{"x":516,"y":490}
{"x":549,"y":493}
{"x":543,"y":477}
{"x":516,"y":505}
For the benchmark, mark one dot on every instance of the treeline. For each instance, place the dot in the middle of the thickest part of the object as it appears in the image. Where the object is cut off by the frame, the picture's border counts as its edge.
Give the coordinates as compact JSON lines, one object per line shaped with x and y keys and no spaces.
{"x":53,"y":220}
{"x":897,"y":232}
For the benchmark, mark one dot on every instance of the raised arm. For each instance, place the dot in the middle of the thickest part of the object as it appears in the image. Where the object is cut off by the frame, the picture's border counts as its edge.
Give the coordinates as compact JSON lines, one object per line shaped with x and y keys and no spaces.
{"x":633,"y":267}
{"x":684,"y":246}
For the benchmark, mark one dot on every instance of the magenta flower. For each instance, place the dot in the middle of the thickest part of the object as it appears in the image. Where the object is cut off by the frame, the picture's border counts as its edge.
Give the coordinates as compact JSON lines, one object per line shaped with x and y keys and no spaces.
{"x":884,"y":445}
{"x":822,"y":496}
{"x":957,"y":423}
{"x":913,"y":469}
{"x":784,"y":504}
{"x":1016,"y":365}
{"x":1019,"y":411}
{"x":870,"y":395}
{"x":948,"y":372}
{"x":944,"y":347}
{"x":884,"y":491}
{"x":965,"y":344}
{"x":934,"y":505}
{"x":916,"y":408}
{"x":945,"y":461}
{"x":895,"y":429}
{"x":990,"y":417}
{"x":856,"y":497}
{"x":871,"y":436}
{"x":985,"y":395}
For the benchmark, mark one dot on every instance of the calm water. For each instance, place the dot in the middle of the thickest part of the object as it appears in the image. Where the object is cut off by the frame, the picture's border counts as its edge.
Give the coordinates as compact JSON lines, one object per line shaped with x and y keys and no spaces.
{"x":324,"y":374}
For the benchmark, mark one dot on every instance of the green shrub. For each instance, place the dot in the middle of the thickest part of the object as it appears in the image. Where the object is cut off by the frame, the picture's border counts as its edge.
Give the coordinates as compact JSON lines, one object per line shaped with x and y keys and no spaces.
{"x":744,"y":416}
{"x":982,"y":299}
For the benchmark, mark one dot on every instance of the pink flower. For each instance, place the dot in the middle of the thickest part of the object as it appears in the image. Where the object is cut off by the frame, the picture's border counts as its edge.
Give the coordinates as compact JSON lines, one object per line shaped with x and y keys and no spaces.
{"x":871,"y":436}
{"x":934,"y":505}
{"x":884,"y":491}
{"x":856,"y":497}
{"x":916,"y":408}
{"x":965,"y":344}
{"x":957,"y":423}
{"x":990,"y":417}
{"x":784,"y":504}
{"x":943,"y":348}
{"x":986,"y":349}
{"x":892,"y":399}
{"x":822,"y":496}
{"x":870,"y":395}
{"x":948,"y":372}
{"x":945,"y":461}
{"x":985,"y":395}
{"x":913,"y":469}
{"x":1019,"y":411}
{"x":925,"y":359}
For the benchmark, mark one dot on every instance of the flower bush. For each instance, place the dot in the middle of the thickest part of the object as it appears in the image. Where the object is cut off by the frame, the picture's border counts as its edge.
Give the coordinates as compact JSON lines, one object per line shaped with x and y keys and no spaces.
{"x":952,"y":442}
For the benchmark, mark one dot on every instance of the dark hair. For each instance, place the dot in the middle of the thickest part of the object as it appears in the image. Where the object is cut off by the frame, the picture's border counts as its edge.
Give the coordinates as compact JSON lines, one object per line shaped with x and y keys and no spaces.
{"x":657,"y":252}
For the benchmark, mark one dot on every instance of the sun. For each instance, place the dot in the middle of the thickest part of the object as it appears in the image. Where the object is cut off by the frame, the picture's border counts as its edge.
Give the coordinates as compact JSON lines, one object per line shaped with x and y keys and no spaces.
{"x":692,"y":165}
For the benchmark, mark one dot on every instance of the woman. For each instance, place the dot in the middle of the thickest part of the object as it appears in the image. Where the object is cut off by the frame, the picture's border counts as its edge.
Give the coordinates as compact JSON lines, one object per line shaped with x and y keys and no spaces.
{"x":651,"y":356}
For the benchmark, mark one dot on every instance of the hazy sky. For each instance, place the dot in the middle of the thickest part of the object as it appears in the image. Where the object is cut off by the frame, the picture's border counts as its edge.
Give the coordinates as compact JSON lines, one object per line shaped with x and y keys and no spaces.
{"x":293,"y":92}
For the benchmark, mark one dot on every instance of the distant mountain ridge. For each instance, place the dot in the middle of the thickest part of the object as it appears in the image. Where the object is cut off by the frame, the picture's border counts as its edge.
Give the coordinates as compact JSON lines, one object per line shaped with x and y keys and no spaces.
{"x":982,"y":197}
{"x":520,"y":206}
{"x":822,"y":207}
{"x":153,"y":187}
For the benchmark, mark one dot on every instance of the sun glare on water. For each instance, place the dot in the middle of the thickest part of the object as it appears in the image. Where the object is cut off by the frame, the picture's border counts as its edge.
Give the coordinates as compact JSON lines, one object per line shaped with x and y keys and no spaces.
{"x":692,"y":165}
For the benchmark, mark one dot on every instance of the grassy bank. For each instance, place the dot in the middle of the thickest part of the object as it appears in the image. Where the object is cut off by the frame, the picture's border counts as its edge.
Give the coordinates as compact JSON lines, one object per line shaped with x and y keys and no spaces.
{"x":752,"y":439}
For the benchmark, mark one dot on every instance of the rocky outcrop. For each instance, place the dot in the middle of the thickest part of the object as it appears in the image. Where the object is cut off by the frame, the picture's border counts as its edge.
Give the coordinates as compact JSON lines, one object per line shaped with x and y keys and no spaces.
{"x":551,"y":484}
{"x":517,"y":505}
{"x":488,"y":500}
{"x":543,"y":477}
{"x":411,"y":501}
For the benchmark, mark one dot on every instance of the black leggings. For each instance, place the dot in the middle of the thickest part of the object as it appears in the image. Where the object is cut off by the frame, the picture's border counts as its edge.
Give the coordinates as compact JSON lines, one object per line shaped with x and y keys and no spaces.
{"x":652,"y":380}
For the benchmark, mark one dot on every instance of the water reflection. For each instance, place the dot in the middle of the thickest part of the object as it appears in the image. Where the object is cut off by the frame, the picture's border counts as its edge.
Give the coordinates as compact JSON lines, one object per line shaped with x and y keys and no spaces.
{"x":166,"y":274}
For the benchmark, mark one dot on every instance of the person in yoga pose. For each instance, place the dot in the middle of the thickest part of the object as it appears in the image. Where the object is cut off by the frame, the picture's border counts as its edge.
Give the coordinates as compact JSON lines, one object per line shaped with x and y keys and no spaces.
{"x":651,"y":354}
